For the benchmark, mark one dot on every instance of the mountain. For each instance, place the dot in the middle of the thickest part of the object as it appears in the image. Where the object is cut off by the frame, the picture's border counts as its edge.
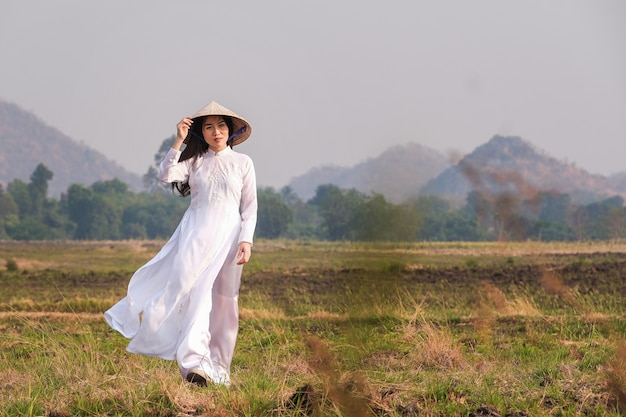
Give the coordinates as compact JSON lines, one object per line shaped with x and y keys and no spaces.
{"x":511,"y":164}
{"x":503,"y":164}
{"x":398,"y":173}
{"x":25,"y":142}
{"x":618,"y":182}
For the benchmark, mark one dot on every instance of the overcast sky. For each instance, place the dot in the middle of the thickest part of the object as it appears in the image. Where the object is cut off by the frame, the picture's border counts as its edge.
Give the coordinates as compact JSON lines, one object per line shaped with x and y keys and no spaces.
{"x":325,"y":82}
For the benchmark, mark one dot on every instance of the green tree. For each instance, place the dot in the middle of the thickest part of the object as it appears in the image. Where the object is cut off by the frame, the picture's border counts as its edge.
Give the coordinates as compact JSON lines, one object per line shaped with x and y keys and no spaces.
{"x":8,"y":210}
{"x":601,"y":220}
{"x":80,"y":202}
{"x":380,"y":220}
{"x":96,"y":217}
{"x":440,"y":222}
{"x":113,"y":187}
{"x":38,"y":190}
{"x":59,"y":226}
{"x":152,"y":215}
{"x":274,"y":216}
{"x":426,"y":209}
{"x":29,"y":229}
{"x":20,"y":195}
{"x":551,"y":232}
{"x":306,"y":222}
{"x":554,"y":207}
{"x":554,"y":217}
{"x":339,"y":211}
{"x":7,"y":204}
{"x":39,"y":216}
{"x":450,"y":226}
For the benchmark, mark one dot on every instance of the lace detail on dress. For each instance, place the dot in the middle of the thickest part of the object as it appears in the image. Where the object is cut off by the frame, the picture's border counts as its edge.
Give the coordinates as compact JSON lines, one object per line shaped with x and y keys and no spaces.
{"x":216,"y":199}
{"x":214,"y":177}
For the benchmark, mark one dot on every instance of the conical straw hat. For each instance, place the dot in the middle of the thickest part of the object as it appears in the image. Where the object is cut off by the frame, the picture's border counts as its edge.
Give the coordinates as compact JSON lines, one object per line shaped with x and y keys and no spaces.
{"x":241,"y":127}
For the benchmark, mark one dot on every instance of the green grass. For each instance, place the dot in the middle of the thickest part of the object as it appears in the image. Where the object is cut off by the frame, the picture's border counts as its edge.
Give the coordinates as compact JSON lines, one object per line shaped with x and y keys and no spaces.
{"x":332,"y":329}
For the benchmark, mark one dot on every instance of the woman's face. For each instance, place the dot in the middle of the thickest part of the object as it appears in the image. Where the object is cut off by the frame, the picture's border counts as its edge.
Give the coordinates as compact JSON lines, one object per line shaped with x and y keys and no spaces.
{"x":215,"y":132}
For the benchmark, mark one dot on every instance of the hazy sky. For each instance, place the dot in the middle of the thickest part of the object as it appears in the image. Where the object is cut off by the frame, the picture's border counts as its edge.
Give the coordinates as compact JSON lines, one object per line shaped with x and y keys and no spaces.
{"x":325,"y":82}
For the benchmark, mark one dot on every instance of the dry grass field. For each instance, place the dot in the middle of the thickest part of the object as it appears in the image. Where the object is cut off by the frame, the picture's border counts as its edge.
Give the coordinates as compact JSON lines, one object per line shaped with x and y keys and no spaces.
{"x":332,"y":329}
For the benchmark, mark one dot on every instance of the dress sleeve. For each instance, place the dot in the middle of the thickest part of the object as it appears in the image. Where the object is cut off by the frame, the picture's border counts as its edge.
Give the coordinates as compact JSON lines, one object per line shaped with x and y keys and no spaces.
{"x":248,"y":205}
{"x":171,"y":170}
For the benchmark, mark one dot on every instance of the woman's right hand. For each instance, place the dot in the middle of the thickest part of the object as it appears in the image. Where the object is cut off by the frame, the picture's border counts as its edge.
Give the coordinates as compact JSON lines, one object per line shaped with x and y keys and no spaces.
{"x":182,"y":130}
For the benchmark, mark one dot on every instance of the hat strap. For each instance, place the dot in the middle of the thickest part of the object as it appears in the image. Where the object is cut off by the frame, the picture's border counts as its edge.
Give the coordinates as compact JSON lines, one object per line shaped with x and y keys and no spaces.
{"x":236,"y":133}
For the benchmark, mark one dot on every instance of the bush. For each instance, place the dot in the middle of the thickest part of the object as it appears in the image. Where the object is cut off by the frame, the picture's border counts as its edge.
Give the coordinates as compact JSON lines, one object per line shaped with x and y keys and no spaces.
{"x":11,"y":265}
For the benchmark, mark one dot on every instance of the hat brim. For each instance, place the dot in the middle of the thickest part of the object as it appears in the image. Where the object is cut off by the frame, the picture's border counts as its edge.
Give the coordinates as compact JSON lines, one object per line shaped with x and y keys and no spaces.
{"x":239,"y":123}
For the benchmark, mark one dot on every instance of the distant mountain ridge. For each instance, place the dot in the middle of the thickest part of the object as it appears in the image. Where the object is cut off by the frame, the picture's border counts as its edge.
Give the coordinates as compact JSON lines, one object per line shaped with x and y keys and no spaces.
{"x":504,"y":163}
{"x":26,"y":141}
{"x":398,"y":173}
{"x":511,"y":164}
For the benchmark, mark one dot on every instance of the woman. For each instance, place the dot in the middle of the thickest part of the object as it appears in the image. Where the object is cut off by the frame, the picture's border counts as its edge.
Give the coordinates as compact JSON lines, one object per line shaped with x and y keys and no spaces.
{"x":182,"y":304}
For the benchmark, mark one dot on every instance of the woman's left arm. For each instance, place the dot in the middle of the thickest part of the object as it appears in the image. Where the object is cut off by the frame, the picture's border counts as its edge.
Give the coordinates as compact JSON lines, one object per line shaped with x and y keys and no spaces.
{"x":248,"y":209}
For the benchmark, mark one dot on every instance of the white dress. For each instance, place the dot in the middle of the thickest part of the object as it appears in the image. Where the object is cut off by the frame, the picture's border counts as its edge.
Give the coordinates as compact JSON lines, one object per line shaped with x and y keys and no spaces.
{"x":183,"y":303}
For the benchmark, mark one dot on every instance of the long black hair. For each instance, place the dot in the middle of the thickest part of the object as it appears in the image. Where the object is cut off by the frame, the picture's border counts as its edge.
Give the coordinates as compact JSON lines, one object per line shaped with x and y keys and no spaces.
{"x":195,"y":147}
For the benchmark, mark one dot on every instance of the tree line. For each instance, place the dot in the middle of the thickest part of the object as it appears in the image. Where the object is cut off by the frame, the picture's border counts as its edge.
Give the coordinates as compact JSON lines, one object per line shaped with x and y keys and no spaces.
{"x":109,"y":210}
